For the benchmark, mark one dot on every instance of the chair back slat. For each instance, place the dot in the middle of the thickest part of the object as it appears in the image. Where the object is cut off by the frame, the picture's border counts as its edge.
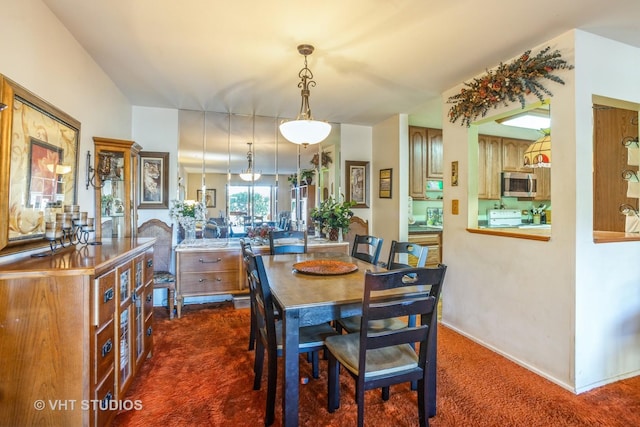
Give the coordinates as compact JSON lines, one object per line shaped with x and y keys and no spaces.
{"x":367,"y":248}
{"x":411,"y":250}
{"x":287,"y":242}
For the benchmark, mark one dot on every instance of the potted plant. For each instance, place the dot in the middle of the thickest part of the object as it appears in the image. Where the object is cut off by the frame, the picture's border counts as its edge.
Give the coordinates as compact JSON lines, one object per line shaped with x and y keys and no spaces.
{"x":306,"y":176}
{"x":187,"y":213}
{"x":333,"y":216}
{"x":293,"y":180}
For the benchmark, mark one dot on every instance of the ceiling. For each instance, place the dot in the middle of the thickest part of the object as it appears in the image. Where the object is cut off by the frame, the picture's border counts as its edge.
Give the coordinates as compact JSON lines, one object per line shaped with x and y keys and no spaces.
{"x":373,"y":58}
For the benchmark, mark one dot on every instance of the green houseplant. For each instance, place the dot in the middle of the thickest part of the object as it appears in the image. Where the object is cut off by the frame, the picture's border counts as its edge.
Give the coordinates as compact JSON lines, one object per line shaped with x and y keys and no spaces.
{"x":333,"y":216}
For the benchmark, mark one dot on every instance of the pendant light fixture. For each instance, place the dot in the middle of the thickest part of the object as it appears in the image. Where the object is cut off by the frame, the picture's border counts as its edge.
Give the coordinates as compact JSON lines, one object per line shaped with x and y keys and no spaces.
{"x":249,"y":174}
{"x":304,"y":130}
{"x":538,"y":154}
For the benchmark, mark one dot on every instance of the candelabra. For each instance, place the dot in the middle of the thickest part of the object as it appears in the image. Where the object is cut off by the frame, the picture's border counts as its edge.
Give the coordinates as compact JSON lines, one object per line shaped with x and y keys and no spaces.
{"x":70,"y":228}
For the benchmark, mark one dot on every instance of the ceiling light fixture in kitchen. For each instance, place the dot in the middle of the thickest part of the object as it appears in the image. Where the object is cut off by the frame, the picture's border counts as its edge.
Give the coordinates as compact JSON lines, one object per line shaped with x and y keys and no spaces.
{"x":532,"y":119}
{"x":304,"y":130}
{"x":538,"y":154}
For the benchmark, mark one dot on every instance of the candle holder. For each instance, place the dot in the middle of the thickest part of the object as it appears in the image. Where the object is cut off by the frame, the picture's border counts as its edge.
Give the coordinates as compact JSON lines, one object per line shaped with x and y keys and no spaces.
{"x":70,"y":228}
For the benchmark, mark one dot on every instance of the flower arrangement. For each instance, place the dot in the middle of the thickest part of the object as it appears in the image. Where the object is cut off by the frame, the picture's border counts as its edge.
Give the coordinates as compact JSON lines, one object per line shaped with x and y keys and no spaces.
{"x":326,"y":160}
{"x":333,"y":215}
{"x":260,"y":232}
{"x":507,"y":83}
{"x":187,"y":212}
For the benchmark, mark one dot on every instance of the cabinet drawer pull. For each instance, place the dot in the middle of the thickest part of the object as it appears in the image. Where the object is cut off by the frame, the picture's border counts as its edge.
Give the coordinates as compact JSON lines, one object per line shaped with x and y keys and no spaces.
{"x":107,"y":347}
{"x":108,"y":295}
{"x":149,"y":297}
{"x":218,"y":279}
{"x":202,"y":280}
{"x":149,"y":263}
{"x":149,"y":331}
{"x":210,"y":262}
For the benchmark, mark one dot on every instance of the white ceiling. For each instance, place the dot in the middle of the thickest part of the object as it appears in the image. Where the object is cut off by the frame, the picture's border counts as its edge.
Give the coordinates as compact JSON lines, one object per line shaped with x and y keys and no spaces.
{"x":373,"y":58}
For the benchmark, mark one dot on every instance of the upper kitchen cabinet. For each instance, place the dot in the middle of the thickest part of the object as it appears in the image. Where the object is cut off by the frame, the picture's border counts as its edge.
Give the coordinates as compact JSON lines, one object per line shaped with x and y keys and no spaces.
{"x":434,"y":154}
{"x":489,"y":166}
{"x":513,"y":155}
{"x":425,"y":159}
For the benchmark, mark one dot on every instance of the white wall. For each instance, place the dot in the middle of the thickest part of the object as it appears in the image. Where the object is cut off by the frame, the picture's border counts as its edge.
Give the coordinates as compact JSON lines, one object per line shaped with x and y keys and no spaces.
{"x":607,"y":275}
{"x":390,"y":150}
{"x":157,"y":129}
{"x":355,"y":145}
{"x":555,"y":307}
{"x":39,"y":54}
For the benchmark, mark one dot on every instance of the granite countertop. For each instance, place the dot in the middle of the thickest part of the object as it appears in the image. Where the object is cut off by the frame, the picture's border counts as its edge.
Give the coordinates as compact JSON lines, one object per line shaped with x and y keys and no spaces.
{"x":421,"y":228}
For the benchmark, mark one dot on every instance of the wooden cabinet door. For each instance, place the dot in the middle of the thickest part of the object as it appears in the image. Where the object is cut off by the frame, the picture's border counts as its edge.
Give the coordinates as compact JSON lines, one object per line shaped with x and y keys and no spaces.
{"x":544,"y":183}
{"x":434,"y":154}
{"x":513,"y":155}
{"x":489,"y":166}
{"x":417,"y":162}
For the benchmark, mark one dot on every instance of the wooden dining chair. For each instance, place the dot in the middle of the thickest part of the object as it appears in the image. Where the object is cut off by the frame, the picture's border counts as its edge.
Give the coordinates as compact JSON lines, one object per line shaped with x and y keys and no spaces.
{"x":287,"y":242}
{"x":413,"y":252}
{"x":379,"y":360}
{"x":367,"y":248}
{"x":269,"y":334}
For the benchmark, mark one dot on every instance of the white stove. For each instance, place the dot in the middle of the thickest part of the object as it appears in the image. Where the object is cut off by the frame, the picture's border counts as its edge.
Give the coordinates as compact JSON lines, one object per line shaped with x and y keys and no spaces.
{"x":504,"y":218}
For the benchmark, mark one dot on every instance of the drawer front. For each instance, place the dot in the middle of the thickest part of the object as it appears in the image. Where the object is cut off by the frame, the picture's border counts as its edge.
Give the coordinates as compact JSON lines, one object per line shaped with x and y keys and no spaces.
{"x":104,"y":298}
{"x":208,"y":282}
{"x":105,"y":392}
{"x":433,"y":256}
{"x":148,"y":335}
{"x":425,"y":239}
{"x":209,"y":261}
{"x":148,"y":266}
{"x":104,"y":351}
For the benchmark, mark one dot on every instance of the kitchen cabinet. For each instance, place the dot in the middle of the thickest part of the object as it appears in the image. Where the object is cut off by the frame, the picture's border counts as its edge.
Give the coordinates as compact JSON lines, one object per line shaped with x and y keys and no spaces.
{"x":116,"y":166}
{"x":62,"y":343}
{"x":425,"y":159}
{"x":513,"y":155}
{"x":433,"y":241}
{"x":435,"y":162}
{"x":305,"y":195}
{"x":489,"y":166}
{"x":544,"y":183}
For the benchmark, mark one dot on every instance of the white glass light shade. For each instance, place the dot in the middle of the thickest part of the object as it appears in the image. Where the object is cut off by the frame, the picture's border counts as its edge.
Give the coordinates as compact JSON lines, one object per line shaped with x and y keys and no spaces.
{"x":305,"y":131}
{"x":248,"y":176}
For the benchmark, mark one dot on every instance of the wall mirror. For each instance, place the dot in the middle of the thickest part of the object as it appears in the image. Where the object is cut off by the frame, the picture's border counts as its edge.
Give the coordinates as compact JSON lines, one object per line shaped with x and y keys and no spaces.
{"x":214,"y":149}
{"x":38,"y":164}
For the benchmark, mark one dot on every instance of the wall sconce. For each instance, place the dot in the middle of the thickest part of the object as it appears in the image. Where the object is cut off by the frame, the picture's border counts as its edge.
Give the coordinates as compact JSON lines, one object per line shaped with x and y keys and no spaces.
{"x":105,"y":170}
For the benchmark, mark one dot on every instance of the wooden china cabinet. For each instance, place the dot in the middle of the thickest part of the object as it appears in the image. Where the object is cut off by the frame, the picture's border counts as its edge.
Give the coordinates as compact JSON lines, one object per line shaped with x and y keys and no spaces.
{"x":116,"y":166}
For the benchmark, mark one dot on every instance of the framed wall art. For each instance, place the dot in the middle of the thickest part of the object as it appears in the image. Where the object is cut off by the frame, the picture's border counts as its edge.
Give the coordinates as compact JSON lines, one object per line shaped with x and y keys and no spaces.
{"x":357,"y":182}
{"x":154,"y":180}
{"x":209,"y":197}
{"x":385,"y":183}
{"x":38,"y":166}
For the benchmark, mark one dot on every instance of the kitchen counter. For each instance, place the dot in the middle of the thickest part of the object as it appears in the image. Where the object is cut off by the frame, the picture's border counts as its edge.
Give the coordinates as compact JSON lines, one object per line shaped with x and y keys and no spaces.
{"x":424,"y":229}
{"x":535,"y":233}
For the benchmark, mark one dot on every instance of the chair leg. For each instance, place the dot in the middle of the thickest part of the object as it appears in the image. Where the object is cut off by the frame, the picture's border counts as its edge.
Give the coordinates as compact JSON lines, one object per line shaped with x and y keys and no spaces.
{"x":360,"y":403}
{"x":257,"y":365}
{"x":272,"y":379}
{"x":385,"y":393}
{"x":315,"y":370}
{"x":252,"y":329}
{"x":423,"y":405}
{"x":171,"y":295}
{"x":333,"y":381}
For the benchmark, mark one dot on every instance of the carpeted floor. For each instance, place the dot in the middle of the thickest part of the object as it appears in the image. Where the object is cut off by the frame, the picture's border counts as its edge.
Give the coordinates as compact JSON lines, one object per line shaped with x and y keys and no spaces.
{"x":201,"y":375}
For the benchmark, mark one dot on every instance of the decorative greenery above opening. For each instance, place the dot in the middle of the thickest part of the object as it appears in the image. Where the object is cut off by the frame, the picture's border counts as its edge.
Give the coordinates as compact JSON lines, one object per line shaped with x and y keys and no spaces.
{"x":507,"y":83}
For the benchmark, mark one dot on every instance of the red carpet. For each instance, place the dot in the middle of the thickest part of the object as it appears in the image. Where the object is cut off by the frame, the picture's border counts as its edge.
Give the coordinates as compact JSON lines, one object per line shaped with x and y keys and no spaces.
{"x":201,"y":375}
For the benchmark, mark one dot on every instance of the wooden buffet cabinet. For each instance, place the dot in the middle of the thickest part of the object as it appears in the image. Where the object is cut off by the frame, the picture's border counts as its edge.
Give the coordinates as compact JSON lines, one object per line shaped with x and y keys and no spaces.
{"x":75,"y":329}
{"x":205,"y":270}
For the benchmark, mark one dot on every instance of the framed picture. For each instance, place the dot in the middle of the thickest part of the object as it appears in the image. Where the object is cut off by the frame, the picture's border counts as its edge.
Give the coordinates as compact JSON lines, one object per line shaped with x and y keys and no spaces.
{"x":209,"y":197}
{"x":385,"y":183}
{"x":357,"y":182}
{"x":454,"y":173}
{"x":38,"y":166}
{"x":154,"y":180}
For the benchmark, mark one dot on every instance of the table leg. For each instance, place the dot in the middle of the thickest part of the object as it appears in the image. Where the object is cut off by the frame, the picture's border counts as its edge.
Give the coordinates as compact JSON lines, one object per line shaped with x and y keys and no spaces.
{"x":290,"y":383}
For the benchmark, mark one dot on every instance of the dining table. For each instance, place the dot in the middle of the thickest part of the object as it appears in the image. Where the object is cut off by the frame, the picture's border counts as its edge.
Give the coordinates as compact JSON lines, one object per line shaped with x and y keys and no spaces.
{"x":312,"y":298}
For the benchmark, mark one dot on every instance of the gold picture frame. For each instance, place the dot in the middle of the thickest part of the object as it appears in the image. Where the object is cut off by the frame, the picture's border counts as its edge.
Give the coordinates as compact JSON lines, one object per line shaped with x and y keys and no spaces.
{"x":38,"y":164}
{"x":357,"y":183}
{"x":385,"y":185}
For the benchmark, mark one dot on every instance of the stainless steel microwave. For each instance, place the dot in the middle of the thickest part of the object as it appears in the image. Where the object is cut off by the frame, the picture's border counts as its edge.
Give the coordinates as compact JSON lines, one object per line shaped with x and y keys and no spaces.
{"x":519,"y":184}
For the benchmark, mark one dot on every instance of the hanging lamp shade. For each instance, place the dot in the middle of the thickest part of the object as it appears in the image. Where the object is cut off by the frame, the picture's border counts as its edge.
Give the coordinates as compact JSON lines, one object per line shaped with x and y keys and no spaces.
{"x":304,"y":130}
{"x":249,"y":174}
{"x":538,"y":154}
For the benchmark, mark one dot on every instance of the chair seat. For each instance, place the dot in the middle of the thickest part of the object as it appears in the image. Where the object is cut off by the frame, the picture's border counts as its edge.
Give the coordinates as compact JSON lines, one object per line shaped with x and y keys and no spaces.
{"x":310,"y":336}
{"x":163,"y":278}
{"x":381,"y":361}
{"x":352,"y":324}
